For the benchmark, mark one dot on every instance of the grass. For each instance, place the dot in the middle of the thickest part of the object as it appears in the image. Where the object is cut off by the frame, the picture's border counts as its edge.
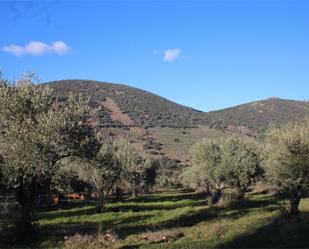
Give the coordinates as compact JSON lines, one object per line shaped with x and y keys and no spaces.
{"x":256,"y":223}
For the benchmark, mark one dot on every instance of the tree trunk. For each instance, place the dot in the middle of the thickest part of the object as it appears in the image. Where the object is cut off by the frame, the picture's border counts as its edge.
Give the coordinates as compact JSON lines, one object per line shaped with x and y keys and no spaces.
{"x":25,"y":196}
{"x":294,"y":212}
{"x":134,"y":194}
{"x":215,"y":196}
{"x":240,"y":193}
{"x":6,"y":201}
{"x":100,"y":203}
{"x":118,"y":194}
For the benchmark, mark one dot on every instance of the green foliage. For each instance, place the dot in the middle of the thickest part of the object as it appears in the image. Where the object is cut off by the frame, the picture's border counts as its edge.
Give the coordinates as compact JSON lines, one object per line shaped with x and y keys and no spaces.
{"x":132,"y":164}
{"x":241,"y":163}
{"x":235,"y":163}
{"x":169,"y":172}
{"x":206,"y":173}
{"x":287,"y":162}
{"x":36,"y":132}
{"x":152,"y":169}
{"x":100,"y":172}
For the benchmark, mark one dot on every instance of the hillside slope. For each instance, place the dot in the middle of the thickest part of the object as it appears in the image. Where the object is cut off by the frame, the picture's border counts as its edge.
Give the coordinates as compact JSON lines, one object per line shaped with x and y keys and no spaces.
{"x":159,"y":127}
{"x":128,"y":106}
{"x":122,"y":106}
{"x":255,"y":117}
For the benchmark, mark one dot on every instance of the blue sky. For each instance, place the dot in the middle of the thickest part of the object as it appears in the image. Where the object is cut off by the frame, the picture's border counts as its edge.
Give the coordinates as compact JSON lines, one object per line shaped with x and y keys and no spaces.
{"x":204,"y":54}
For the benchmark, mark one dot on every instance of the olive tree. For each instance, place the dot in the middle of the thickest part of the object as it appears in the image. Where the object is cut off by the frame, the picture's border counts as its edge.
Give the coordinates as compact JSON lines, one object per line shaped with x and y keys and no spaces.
{"x":241,"y":163}
{"x":287,"y":162}
{"x":100,"y":172}
{"x":206,"y":171}
{"x":36,"y":131}
{"x":151,"y":173}
{"x":132,"y":164}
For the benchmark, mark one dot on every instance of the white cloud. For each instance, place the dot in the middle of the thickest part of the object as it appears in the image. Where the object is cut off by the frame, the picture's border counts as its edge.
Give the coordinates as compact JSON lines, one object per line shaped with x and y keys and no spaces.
{"x":38,"y":48}
{"x":171,"y":54}
{"x":59,"y":47}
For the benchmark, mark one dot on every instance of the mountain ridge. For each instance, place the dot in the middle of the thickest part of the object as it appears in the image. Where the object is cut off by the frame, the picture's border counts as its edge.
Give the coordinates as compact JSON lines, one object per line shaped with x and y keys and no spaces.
{"x":142,"y":108}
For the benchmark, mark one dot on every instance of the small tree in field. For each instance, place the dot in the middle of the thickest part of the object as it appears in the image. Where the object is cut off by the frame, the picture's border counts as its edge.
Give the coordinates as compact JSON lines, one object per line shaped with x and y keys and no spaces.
{"x":206,"y":171}
{"x":287,"y":162}
{"x":100,"y":172}
{"x":36,"y":131}
{"x":241,"y":163}
{"x":131,"y":163}
{"x":105,"y":171}
{"x":151,"y":173}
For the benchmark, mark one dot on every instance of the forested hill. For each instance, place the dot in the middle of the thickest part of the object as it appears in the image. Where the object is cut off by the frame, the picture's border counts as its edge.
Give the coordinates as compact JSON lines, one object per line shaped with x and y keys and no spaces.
{"x":257,"y":116}
{"x":123,"y":106}
{"x":120,"y":105}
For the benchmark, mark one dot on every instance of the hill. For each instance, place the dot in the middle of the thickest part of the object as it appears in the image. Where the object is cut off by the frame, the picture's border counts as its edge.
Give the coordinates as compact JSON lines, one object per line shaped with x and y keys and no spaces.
{"x":254,"y":118}
{"x":120,"y":105}
{"x":156,"y":126}
{"x":159,"y":127}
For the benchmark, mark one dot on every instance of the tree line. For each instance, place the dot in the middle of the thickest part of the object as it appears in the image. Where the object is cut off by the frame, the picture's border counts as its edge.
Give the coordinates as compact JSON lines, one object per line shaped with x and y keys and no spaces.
{"x":281,"y":160}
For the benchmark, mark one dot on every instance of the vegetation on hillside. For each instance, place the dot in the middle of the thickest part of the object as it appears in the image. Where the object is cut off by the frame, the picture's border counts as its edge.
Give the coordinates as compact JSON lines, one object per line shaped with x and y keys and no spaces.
{"x":150,"y":110}
{"x":144,"y":108}
{"x":255,"y":118}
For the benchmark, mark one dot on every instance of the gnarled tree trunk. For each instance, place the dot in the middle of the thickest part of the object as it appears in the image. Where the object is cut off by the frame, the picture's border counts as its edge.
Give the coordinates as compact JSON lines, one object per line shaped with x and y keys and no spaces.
{"x":25,"y":196}
{"x":294,"y":211}
{"x":215,"y":195}
{"x":240,"y":193}
{"x":118,"y":194}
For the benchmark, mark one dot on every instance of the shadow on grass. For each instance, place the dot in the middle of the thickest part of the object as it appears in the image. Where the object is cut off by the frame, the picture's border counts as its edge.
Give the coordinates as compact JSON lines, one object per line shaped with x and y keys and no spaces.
{"x":146,"y":207}
{"x":170,"y":197}
{"x":185,"y":220}
{"x":201,"y":215}
{"x":234,"y":212}
{"x":278,"y":233}
{"x":71,"y":228}
{"x":140,"y":223}
{"x":126,"y":205}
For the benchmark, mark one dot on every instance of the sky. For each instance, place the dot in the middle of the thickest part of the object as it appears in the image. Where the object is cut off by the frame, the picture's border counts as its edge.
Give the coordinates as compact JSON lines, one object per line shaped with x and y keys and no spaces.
{"x":207,"y":55}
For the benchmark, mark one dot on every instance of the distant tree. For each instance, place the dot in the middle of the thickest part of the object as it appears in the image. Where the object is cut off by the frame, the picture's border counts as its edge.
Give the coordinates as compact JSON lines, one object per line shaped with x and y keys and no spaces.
{"x":190,"y":178}
{"x":241,"y":163}
{"x":168,"y":172}
{"x":132,"y":164}
{"x":151,"y":171}
{"x":176,"y":140}
{"x":206,"y":171}
{"x":287,"y":162}
{"x":36,"y":132}
{"x":100,"y":172}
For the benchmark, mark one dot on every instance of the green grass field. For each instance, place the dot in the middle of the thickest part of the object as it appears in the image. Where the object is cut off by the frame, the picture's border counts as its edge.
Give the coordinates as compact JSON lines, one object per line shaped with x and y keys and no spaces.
{"x":183,"y":218}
